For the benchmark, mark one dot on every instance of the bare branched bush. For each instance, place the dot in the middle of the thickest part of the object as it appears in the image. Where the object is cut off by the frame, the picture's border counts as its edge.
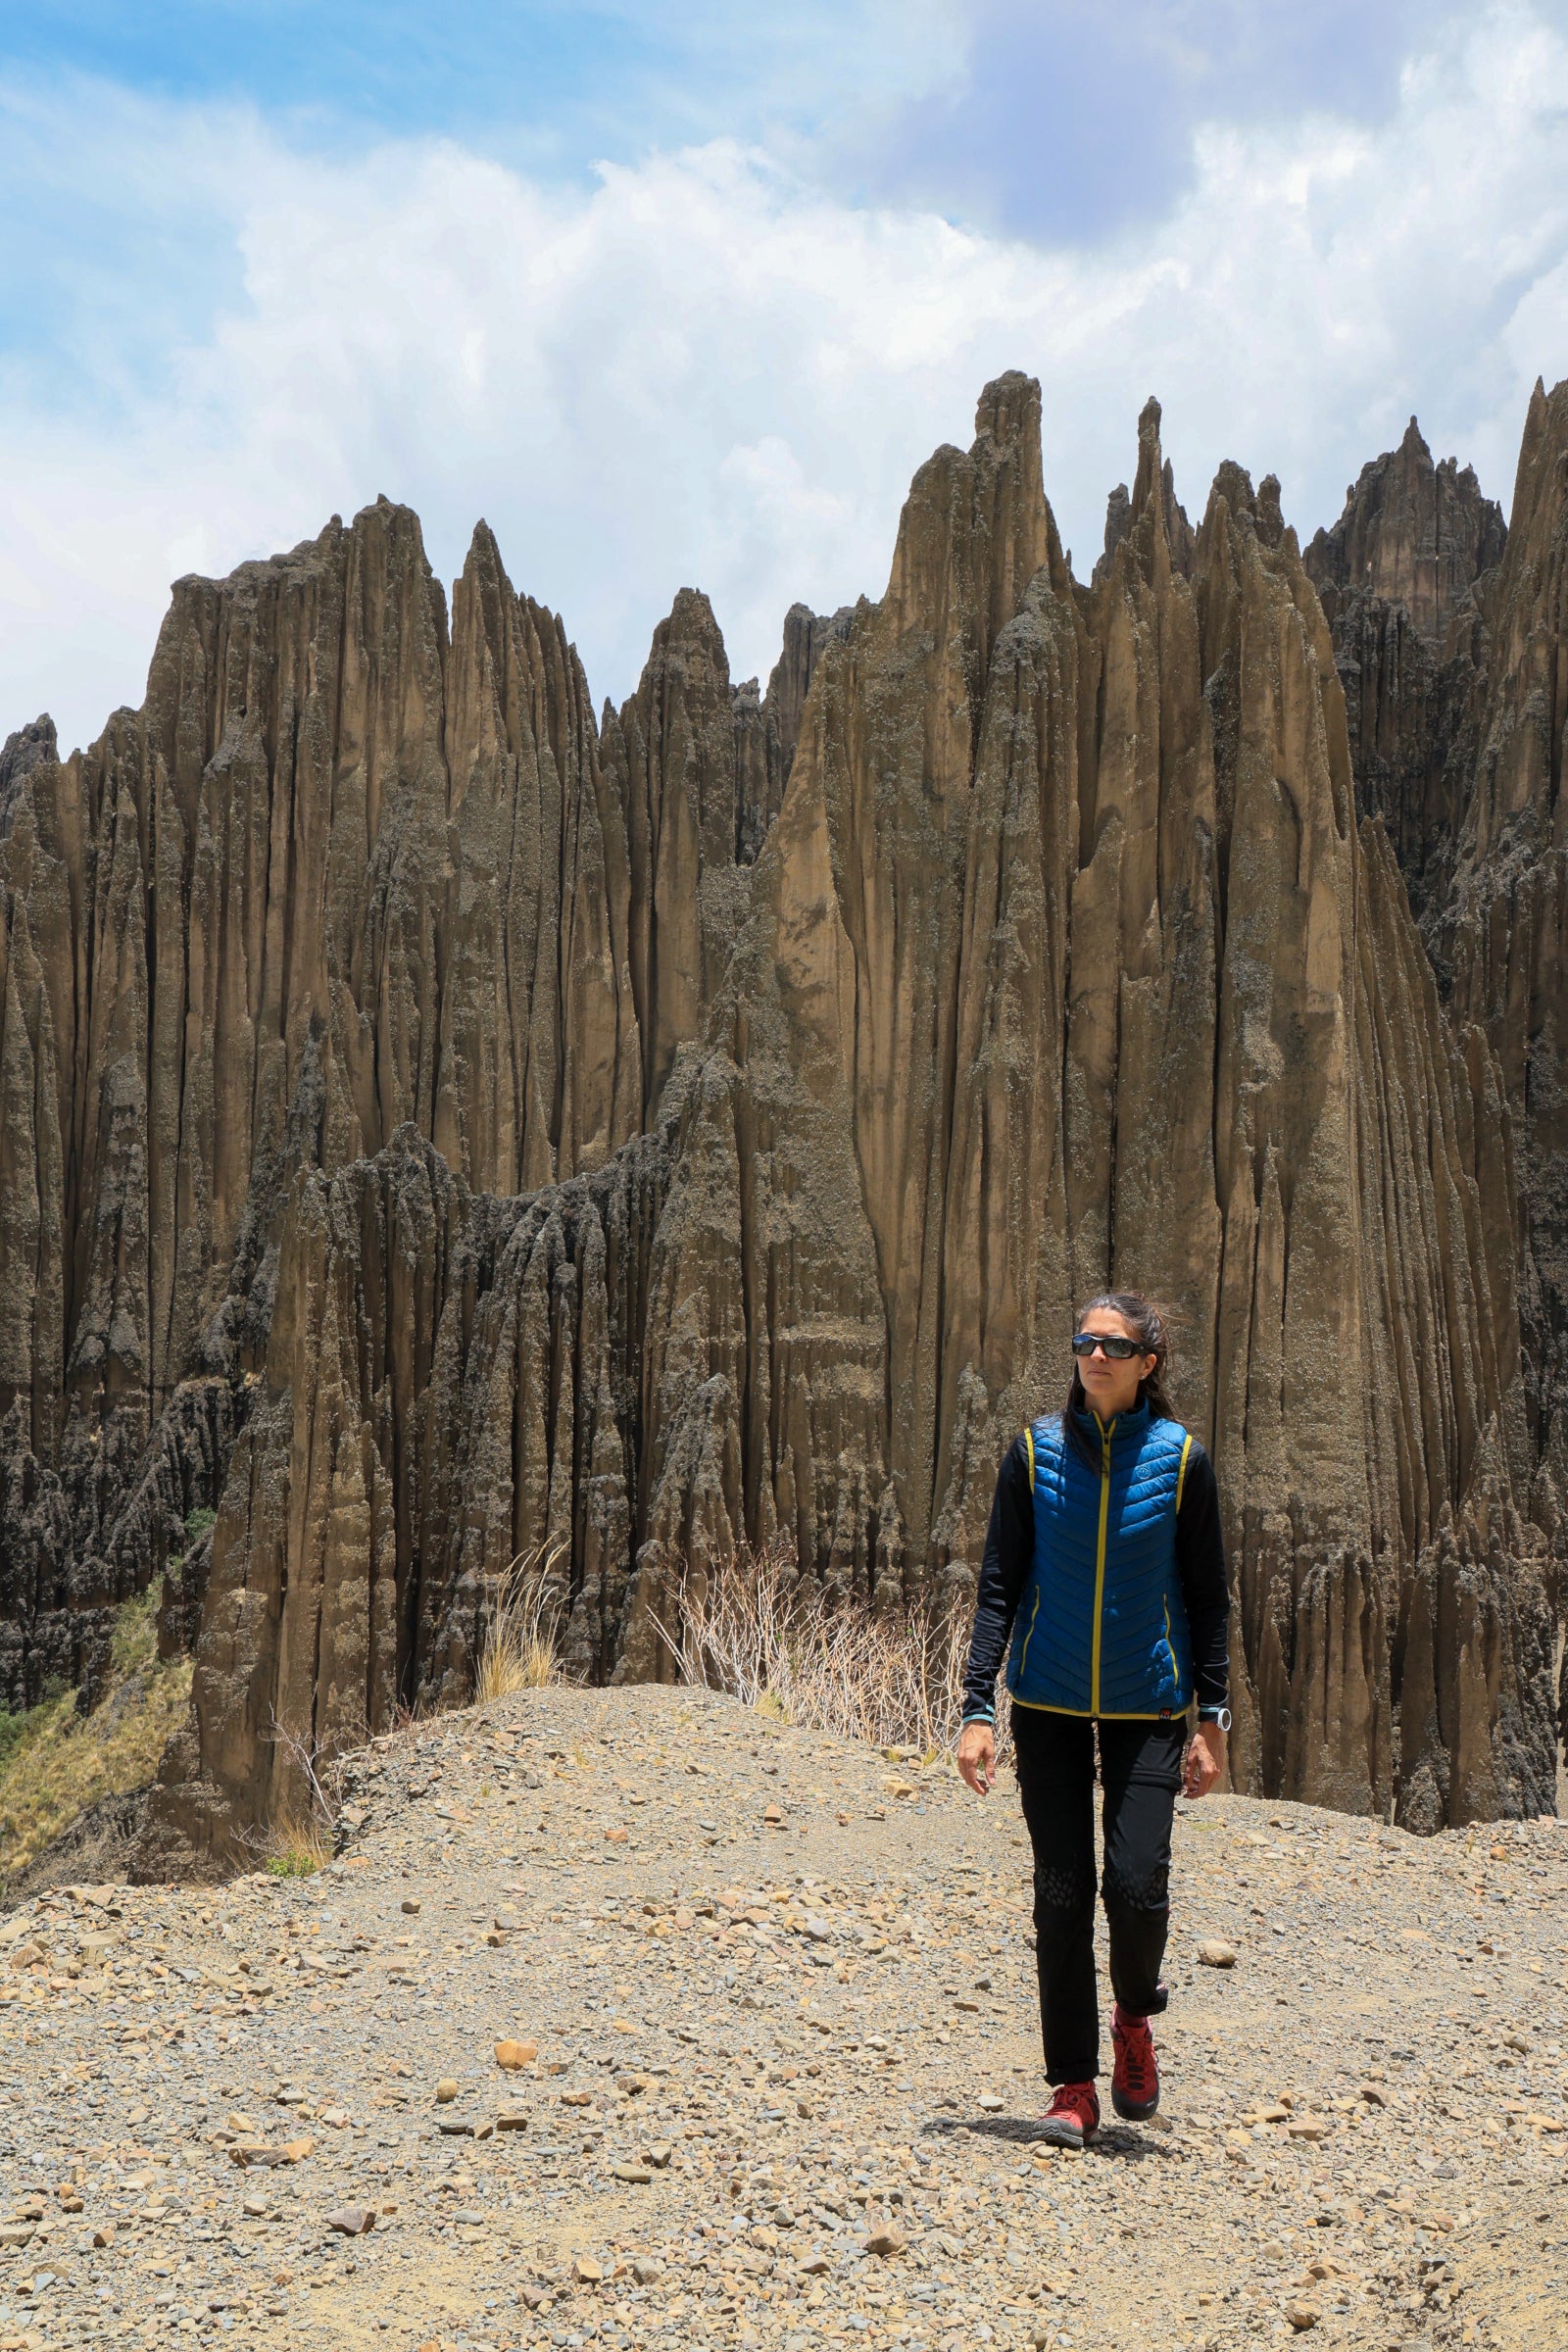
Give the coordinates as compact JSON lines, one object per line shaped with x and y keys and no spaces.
{"x":757,"y":1629}
{"x":299,"y":1838}
{"x":522,"y":1645}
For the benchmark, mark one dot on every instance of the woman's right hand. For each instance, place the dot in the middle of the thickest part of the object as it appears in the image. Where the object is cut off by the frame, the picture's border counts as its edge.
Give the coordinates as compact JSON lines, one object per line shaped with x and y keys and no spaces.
{"x":977,"y":1756}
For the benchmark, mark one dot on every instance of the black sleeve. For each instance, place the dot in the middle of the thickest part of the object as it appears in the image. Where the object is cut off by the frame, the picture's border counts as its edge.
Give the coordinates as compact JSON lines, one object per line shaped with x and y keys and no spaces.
{"x":1205,"y":1588}
{"x":1009,"y":1547}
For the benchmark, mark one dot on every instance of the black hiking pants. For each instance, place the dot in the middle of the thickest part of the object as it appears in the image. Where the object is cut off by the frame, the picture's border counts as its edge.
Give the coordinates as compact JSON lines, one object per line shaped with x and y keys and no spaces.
{"x":1140,"y":1766}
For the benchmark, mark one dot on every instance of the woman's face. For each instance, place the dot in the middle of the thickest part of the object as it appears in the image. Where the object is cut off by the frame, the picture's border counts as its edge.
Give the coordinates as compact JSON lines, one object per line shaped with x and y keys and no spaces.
{"x":1111,"y":1388}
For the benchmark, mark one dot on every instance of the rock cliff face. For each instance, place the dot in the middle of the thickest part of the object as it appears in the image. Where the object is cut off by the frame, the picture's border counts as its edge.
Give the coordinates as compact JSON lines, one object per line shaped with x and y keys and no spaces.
{"x":343,"y":872}
{"x":1472,"y":736}
{"x":1499,"y":935}
{"x":1413,"y":534}
{"x":1401,"y":579}
{"x":438,"y":1126}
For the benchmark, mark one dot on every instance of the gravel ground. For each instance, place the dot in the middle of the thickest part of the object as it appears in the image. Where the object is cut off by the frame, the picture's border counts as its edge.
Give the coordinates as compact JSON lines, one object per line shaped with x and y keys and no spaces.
{"x":787,"y":2076}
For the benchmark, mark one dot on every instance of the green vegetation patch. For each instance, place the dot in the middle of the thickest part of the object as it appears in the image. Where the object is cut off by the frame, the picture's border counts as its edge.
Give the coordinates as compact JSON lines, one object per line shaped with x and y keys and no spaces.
{"x":53,"y":1763}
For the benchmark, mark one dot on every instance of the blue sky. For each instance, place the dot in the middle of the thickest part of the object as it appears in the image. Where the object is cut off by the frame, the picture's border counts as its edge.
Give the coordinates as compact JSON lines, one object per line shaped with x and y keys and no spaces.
{"x":682,"y":294}
{"x":1027,"y":114}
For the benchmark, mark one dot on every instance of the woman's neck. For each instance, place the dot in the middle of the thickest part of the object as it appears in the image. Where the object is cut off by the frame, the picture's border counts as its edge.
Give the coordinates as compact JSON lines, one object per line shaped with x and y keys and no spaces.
{"x":1104,"y":1416}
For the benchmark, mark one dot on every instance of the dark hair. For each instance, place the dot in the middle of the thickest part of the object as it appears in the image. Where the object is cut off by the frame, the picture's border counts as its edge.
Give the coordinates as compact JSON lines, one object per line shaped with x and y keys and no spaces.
{"x":1149,"y":1324}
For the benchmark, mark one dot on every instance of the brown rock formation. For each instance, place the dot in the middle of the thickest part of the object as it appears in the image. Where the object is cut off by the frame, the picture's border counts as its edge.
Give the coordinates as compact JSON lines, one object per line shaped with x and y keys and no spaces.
{"x":499,"y":1132}
{"x":768,"y":728}
{"x":1501,"y":933}
{"x":1478,"y":725}
{"x":340,"y":872}
{"x":1412,"y":533}
{"x":1400,"y":578}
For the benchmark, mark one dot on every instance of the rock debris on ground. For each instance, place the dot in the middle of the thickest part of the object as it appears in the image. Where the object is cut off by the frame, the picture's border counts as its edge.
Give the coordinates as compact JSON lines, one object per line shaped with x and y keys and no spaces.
{"x":776,"y":2079}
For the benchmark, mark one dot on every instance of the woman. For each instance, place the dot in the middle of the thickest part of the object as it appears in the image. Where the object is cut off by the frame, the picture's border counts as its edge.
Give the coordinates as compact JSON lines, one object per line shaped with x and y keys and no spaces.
{"x":1103,"y":1562}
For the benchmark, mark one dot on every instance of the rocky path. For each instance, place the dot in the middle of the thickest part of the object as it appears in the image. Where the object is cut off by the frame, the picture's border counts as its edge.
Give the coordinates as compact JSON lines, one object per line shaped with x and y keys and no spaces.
{"x":786,"y":2076}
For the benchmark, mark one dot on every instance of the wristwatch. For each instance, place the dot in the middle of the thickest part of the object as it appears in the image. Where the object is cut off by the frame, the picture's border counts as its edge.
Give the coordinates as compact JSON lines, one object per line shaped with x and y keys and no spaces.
{"x":1216,"y":1715}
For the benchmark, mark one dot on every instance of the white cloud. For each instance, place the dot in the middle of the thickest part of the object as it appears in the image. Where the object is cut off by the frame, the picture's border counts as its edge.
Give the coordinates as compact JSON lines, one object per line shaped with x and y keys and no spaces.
{"x":703,"y":370}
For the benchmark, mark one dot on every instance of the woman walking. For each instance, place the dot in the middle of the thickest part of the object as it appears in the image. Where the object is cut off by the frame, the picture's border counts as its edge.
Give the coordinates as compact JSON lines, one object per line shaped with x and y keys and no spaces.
{"x":1104,"y":1564}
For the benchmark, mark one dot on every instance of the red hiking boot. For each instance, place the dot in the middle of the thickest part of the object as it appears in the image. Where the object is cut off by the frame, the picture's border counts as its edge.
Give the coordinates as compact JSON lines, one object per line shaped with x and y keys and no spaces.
{"x":1074,"y":2116}
{"x":1135,"y":2079}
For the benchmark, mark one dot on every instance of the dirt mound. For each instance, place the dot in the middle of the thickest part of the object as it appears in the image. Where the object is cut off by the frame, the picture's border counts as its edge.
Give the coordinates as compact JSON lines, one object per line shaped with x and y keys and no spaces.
{"x":778,"y":2080}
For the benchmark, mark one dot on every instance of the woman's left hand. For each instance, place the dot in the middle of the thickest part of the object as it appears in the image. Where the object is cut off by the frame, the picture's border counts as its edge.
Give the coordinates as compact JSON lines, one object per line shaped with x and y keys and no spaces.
{"x":1206,"y":1760}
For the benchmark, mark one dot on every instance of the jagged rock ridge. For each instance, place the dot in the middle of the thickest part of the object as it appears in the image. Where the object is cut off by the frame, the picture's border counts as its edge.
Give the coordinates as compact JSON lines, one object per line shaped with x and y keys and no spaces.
{"x":404,"y":877}
{"x":642,"y":1138}
{"x":1412,"y":533}
{"x":1402,"y":576}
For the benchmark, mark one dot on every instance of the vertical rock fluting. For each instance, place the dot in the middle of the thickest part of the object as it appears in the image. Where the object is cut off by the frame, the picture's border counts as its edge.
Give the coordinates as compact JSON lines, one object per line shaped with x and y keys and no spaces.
{"x":1067,"y":962}
{"x":484,"y":1133}
{"x":1501,"y":933}
{"x":1448,"y":633}
{"x":1413,"y":534}
{"x":339,"y":872}
{"x":1402,"y":577}
{"x":768,"y":727}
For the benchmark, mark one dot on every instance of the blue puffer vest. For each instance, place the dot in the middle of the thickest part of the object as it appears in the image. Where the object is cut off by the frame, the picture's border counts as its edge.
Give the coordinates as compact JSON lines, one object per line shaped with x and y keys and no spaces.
{"x":1102,"y":1627}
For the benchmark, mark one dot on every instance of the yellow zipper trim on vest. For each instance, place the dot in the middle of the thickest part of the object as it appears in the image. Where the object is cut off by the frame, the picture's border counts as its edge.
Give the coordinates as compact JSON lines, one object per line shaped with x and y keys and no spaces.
{"x":1023,"y":1654}
{"x":1100,"y":1557}
{"x":1043,"y":1707}
{"x":1180,"y":1481}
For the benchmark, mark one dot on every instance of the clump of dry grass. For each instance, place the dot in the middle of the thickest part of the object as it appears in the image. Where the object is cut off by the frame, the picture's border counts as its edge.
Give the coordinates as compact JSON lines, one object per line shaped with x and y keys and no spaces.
{"x":757,"y":1628}
{"x":55,"y":1763}
{"x":520,"y":1650}
{"x":300,"y":1837}
{"x":298,"y":1845}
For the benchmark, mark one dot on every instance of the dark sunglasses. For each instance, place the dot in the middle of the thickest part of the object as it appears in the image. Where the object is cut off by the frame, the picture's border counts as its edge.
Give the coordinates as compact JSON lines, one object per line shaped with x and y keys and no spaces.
{"x":1084,"y":1343}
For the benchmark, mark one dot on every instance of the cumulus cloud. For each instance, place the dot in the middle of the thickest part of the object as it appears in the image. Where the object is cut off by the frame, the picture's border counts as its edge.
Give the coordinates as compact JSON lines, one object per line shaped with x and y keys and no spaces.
{"x":705,"y":369}
{"x":1066,"y":117}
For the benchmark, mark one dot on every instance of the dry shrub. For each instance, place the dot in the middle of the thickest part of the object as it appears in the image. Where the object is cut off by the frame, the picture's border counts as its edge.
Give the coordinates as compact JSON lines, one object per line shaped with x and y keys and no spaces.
{"x":776,"y":1640}
{"x":298,"y":1845}
{"x":522,"y":1648}
{"x":301,"y":1836}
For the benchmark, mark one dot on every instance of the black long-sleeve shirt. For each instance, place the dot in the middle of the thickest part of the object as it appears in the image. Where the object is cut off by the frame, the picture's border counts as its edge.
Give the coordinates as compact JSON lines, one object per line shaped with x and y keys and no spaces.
{"x":1009,"y":1554}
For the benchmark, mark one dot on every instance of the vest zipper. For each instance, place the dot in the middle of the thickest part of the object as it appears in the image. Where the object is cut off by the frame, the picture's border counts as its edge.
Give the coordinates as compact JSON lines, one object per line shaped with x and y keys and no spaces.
{"x":1171,"y":1647}
{"x":1023,"y":1654}
{"x":1100,"y":1559}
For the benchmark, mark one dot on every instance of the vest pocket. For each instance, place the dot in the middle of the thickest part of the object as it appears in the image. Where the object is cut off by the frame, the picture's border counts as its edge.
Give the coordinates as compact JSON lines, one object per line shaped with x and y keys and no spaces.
{"x":1166,"y":1680}
{"x":1020,"y":1650}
